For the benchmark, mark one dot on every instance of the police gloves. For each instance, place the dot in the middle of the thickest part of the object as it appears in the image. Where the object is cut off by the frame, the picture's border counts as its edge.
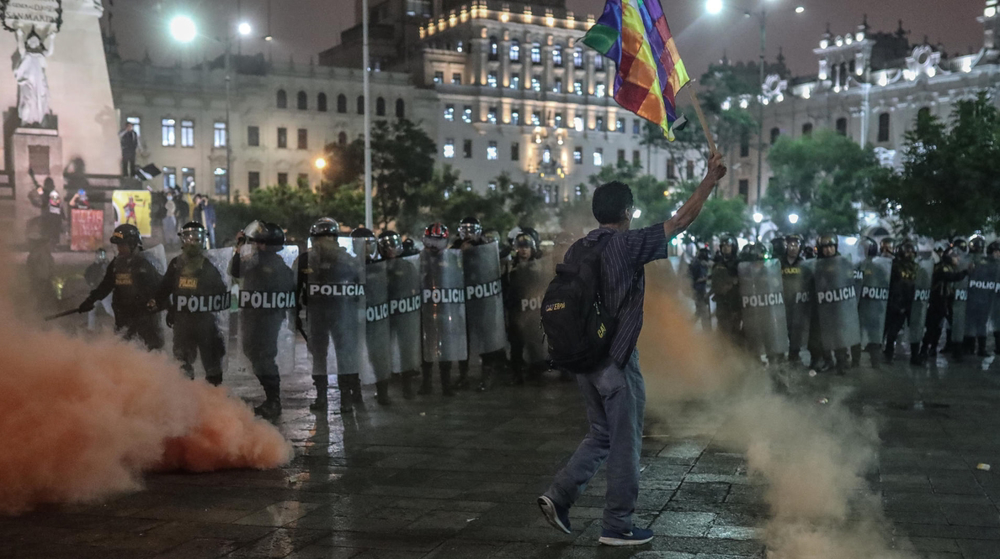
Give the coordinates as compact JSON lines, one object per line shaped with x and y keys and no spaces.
{"x":85,"y":306}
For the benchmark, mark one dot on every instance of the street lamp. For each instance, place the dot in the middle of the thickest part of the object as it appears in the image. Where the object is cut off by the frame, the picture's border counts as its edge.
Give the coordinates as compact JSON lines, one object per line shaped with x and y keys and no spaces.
{"x":320,"y":163}
{"x":637,"y":214}
{"x":244,"y":29}
{"x":713,"y":6}
{"x":793,"y":218}
{"x":183,"y":29}
{"x":758,"y":218}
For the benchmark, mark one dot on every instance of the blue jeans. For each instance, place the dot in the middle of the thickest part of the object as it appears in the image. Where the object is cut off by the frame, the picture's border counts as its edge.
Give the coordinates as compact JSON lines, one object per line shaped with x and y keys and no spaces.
{"x":616,"y":400}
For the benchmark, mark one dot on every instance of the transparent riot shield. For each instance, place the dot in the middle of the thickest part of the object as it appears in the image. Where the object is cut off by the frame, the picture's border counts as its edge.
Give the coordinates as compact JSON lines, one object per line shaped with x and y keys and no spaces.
{"x":266,"y":299}
{"x":836,"y":299}
{"x":404,"y":313}
{"x":200,"y":306}
{"x":442,"y":312}
{"x":921,"y":300}
{"x":377,"y":318}
{"x":762,"y":302}
{"x":873,"y":291}
{"x":959,"y":306}
{"x":527,"y":283}
{"x":336,"y":311}
{"x":982,"y":287}
{"x":483,"y":299}
{"x":797,"y":287}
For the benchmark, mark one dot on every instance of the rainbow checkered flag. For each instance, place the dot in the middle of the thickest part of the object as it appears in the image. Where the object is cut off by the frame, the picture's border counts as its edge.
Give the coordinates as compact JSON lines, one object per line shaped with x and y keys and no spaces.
{"x":634,"y":33}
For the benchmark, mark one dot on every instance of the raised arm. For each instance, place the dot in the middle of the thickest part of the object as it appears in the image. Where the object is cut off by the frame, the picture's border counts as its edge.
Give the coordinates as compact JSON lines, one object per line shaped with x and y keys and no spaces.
{"x":690,"y":210}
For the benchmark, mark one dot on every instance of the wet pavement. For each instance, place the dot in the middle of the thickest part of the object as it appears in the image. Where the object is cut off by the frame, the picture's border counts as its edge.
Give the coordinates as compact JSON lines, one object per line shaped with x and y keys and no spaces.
{"x":458,"y":477}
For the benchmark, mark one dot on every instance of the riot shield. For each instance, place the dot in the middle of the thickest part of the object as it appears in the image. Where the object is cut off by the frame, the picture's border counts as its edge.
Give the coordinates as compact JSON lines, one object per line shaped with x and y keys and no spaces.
{"x":442,"y":313}
{"x":959,"y":306}
{"x":483,"y":299}
{"x":762,"y":302}
{"x":404,"y":313}
{"x":201,"y":304}
{"x":874,"y":274}
{"x":836,"y":299}
{"x":377,"y":316}
{"x":921,"y":300}
{"x":527,"y":284}
{"x":156,"y":256}
{"x":797,"y":287}
{"x":336,"y":311}
{"x":979,"y":308}
{"x":266,"y":300}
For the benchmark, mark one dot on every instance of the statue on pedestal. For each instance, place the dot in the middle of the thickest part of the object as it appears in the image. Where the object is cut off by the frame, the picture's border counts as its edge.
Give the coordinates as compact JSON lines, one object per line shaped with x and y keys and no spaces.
{"x":29,"y":71}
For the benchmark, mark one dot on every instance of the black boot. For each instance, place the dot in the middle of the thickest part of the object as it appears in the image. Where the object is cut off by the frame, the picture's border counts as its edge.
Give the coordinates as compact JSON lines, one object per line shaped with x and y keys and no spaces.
{"x":463,"y":376}
{"x":426,"y":387}
{"x":344,"y":387}
{"x":356,"y":397}
{"x":981,"y":341}
{"x":890,"y":352}
{"x":382,"y":393}
{"x":916,"y":355}
{"x":321,"y":402}
{"x":271,"y":408}
{"x":214,"y":380}
{"x":407,"y":378}
{"x":446,"y":388}
{"x":996,"y":343}
{"x":488,"y":374}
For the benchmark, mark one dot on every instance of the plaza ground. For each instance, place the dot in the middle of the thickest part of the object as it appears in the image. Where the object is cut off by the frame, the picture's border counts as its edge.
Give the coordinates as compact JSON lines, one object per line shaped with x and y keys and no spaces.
{"x":458,"y":477}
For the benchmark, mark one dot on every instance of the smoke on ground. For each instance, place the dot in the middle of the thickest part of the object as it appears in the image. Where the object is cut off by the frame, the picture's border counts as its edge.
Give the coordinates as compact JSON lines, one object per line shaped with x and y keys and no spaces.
{"x":810,"y":458}
{"x":82,"y":420}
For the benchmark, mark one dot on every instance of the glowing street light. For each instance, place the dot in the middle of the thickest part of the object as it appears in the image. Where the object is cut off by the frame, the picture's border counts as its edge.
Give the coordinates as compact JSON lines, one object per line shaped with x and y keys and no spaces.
{"x":183,"y":29}
{"x":637,"y":214}
{"x":713,"y":6}
{"x":793,"y":218}
{"x":758,"y":217}
{"x":800,"y":9}
{"x":244,"y":28}
{"x":320,"y":163}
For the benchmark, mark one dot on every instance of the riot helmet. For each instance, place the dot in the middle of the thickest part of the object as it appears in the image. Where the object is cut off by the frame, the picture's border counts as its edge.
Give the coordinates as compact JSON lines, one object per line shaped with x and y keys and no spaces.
{"x":704,"y":254}
{"x":993,"y":248}
{"x":977,"y":244}
{"x":793,"y":246}
{"x":869,"y":247}
{"x":960,"y":244}
{"x":470,"y":229}
{"x":778,"y":246}
{"x":525,"y":246}
{"x":127,"y":235}
{"x":825,"y":242}
{"x":886,"y":245}
{"x":390,"y":245}
{"x":730,"y":242}
{"x":906,"y":250}
{"x":512,"y":235}
{"x":534,"y":235}
{"x":365,"y":242}
{"x":257,"y":232}
{"x":808,"y":252}
{"x":193,"y":236}
{"x":753,"y":252}
{"x":325,"y":227}
{"x":409,"y":246}
{"x":436,"y":237}
{"x":491,"y":236}
{"x":276,"y":235}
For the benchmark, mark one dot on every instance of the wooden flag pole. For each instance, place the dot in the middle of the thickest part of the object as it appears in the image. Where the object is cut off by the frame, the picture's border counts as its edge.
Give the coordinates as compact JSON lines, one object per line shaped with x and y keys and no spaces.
{"x":701,"y":117}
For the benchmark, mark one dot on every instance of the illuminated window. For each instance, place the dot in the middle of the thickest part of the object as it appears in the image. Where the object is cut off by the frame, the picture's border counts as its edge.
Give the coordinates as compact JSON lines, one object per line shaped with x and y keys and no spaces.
{"x":515,"y":80}
{"x":515,"y":51}
{"x":449,"y":148}
{"x":598,"y":157}
{"x":491,"y":151}
{"x":578,"y":155}
{"x":491,"y":79}
{"x":599,"y":89}
{"x":449,"y":112}
{"x":168,"y":127}
{"x":536,"y":53}
{"x":220,"y":135}
{"x":187,"y":133}
{"x":467,"y":113}
{"x":557,"y":58}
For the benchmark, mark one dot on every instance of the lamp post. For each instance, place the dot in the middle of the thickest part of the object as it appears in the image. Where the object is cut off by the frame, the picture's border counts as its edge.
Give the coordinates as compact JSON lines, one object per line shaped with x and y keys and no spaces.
{"x":758,"y":218}
{"x":793,"y":218}
{"x":184,"y":30}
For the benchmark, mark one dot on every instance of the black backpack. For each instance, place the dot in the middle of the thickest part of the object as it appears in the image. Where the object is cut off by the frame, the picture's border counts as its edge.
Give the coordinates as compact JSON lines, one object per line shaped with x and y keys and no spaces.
{"x":577,"y":325}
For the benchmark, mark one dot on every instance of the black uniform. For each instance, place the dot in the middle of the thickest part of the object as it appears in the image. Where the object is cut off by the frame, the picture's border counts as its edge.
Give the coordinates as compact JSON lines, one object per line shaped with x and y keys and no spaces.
{"x":522,"y":308}
{"x":267,"y":273}
{"x":492,"y":360}
{"x":726,"y":292}
{"x":902,"y":289}
{"x":939,"y":308}
{"x":698,"y":273}
{"x":196,"y":293}
{"x":793,"y":286}
{"x":132,"y":282}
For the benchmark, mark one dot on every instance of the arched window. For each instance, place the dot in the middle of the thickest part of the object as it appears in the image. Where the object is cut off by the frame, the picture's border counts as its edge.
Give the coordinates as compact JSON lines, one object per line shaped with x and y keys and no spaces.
{"x":515,"y":50}
{"x":302,"y":101}
{"x":842,"y":126}
{"x":342,"y":138}
{"x":361,"y":104}
{"x":282,"y":101}
{"x":807,"y":129}
{"x":400,"y":109}
{"x":341,"y":103}
{"x":843,"y":74}
{"x":775,"y":132}
{"x":321,"y":102}
{"x":883,"y":127}
{"x":923,"y":114}
{"x":494,"y":48}
{"x":380,"y":107}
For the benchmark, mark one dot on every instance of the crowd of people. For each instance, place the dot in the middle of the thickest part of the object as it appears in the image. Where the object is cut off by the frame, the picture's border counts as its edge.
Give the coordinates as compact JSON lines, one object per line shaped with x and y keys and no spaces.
{"x":838,"y":306}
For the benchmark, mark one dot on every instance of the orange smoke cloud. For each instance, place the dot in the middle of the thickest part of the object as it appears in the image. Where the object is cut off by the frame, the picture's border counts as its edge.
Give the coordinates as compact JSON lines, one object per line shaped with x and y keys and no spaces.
{"x":83,"y":419}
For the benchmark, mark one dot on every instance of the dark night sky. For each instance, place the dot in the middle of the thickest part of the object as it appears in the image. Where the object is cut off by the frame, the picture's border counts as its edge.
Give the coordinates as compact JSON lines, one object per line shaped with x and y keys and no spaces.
{"x":302,"y":28}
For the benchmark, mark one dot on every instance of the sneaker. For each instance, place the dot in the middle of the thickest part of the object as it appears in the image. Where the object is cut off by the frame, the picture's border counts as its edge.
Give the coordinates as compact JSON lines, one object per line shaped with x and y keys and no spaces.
{"x":635,"y":536}
{"x":557,"y":516}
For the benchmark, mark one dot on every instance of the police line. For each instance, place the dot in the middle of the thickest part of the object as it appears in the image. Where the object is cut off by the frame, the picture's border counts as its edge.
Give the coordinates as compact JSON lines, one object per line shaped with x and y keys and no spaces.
{"x":267,"y":300}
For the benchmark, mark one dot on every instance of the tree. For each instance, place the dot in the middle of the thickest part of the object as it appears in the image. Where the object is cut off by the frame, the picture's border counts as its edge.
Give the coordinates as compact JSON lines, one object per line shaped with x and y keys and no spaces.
{"x":402,"y":163}
{"x":949,"y":184}
{"x":718,"y":216}
{"x":823,"y":178}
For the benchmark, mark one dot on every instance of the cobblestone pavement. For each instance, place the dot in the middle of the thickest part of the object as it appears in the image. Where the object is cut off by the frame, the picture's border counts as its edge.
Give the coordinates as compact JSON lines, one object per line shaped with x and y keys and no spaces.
{"x":458,"y":477}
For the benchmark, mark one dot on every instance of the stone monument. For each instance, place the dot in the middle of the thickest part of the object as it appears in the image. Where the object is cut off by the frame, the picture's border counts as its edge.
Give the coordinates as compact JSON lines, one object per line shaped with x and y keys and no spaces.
{"x":57,"y":107}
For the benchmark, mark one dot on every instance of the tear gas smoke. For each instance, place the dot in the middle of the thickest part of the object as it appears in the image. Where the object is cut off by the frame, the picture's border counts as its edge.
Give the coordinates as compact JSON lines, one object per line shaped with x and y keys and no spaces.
{"x":811,"y":459}
{"x":81,"y":420}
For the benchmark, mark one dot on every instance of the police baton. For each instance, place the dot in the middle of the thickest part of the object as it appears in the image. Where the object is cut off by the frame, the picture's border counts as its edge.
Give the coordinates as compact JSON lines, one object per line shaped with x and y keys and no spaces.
{"x":62,"y":314}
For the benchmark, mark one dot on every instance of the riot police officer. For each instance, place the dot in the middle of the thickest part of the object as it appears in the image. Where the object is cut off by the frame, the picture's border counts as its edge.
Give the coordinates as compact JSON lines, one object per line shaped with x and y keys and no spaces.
{"x":946,"y":274}
{"x":902,"y":289}
{"x":331,"y":288}
{"x":484,"y":314}
{"x":886,"y":249}
{"x":266,"y":275}
{"x":377,"y":306}
{"x":197,"y":294}
{"x":796,"y":279}
{"x":836,"y":324}
{"x":525,"y":286}
{"x":698,"y":272}
{"x":409,"y":248}
{"x":993,"y":255}
{"x":977,"y":249}
{"x":442,"y":309}
{"x":131,"y":280}
{"x":403,"y":276}
{"x":725,"y":292}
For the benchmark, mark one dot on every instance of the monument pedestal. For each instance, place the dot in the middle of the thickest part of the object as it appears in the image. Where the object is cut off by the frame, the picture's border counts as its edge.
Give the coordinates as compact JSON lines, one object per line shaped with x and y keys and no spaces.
{"x":37,"y":150}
